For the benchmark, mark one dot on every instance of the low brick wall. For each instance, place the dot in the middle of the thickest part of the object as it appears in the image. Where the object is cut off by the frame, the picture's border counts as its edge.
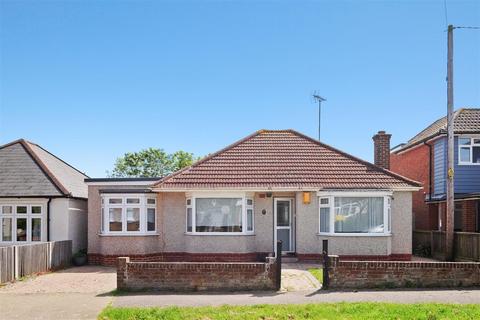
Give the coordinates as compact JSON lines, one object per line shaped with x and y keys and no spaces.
{"x":409,"y":274}
{"x":196,"y":276}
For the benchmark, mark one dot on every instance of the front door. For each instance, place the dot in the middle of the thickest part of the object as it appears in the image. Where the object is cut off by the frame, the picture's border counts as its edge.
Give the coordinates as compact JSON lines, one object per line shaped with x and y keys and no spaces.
{"x":283,"y":223}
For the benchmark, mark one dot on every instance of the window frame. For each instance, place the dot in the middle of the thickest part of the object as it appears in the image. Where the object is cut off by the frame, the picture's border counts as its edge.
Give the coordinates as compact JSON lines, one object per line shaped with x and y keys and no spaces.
{"x":387,"y":212}
{"x":28,"y":216}
{"x":245,"y":196}
{"x":143,"y":207}
{"x":470,"y":147}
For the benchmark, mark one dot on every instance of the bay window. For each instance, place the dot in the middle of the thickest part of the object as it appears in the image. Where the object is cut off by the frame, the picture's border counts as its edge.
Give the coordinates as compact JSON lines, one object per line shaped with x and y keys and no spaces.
{"x":219,"y":214}
{"x":468,"y":150}
{"x":358,"y":213}
{"x":128,"y":214}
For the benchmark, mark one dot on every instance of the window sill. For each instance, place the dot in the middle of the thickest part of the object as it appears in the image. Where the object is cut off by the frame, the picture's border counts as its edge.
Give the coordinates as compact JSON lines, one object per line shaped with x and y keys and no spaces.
{"x":228,"y":234}
{"x":128,"y":234}
{"x":354,"y":234}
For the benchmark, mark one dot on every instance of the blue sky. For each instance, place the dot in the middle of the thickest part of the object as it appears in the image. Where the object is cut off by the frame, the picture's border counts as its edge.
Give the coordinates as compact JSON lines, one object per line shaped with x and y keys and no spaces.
{"x":91,"y":80}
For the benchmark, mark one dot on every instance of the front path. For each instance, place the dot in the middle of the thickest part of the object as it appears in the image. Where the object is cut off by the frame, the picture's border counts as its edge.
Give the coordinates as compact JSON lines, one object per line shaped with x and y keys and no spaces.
{"x":74,"y":293}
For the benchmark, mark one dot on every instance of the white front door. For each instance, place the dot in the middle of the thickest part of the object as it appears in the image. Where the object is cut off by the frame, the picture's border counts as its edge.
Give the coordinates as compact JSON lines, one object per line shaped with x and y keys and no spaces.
{"x":283,"y":221}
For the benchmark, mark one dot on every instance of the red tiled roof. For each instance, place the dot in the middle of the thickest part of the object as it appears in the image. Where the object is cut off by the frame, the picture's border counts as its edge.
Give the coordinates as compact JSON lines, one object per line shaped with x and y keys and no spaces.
{"x":282,"y":159}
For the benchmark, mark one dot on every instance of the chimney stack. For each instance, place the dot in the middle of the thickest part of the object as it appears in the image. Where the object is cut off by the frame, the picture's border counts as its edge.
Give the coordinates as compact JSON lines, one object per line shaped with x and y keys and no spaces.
{"x":381,"y":149}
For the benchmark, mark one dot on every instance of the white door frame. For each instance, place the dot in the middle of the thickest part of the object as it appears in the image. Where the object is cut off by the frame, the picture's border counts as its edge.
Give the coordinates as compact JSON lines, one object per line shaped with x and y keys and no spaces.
{"x":275,"y":227}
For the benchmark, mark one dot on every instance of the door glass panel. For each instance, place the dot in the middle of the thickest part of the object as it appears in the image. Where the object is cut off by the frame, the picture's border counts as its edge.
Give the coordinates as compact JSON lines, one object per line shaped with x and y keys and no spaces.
{"x":284,"y":236}
{"x":283,"y":213}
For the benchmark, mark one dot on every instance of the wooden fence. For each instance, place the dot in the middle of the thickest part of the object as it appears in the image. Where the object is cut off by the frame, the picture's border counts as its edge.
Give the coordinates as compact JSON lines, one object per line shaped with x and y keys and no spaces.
{"x":466,"y":244}
{"x":21,"y":260}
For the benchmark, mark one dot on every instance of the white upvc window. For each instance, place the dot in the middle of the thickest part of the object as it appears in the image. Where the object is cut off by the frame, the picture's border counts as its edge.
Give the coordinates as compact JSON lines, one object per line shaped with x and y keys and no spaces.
{"x":468,"y":150}
{"x":220,"y":214}
{"x":128,"y":214}
{"x":22,"y":222}
{"x":355,"y":213}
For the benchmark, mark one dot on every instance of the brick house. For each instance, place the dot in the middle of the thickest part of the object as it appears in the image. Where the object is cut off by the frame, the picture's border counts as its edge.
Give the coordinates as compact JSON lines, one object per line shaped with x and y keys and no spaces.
{"x":424,"y":159}
{"x":236,"y":203}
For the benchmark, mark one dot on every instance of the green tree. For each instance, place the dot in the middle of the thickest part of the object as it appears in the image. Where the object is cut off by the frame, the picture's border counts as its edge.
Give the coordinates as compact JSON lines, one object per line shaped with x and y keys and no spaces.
{"x":150,"y":162}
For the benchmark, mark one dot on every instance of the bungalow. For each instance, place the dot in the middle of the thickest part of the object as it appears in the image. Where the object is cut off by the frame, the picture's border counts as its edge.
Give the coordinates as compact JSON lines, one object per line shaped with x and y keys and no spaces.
{"x":42,"y":198}
{"x":236,"y":203}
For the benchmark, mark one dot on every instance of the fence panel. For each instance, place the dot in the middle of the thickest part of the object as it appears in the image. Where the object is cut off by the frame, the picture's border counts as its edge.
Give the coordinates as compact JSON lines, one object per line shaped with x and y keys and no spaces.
{"x":61,"y":253}
{"x":7,"y":264}
{"x":31,"y":258}
{"x":421,"y":238}
{"x":23,"y":260}
{"x":438,"y":245}
{"x":467,"y":246}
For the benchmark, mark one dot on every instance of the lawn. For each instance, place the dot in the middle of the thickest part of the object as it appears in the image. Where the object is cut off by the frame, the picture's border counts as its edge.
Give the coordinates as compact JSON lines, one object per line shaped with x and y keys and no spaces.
{"x":294,"y":312}
{"x":317,"y":273}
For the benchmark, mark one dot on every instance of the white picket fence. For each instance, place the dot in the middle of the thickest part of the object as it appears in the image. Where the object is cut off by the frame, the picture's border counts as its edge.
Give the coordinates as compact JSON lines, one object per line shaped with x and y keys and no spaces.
{"x":18,"y":261}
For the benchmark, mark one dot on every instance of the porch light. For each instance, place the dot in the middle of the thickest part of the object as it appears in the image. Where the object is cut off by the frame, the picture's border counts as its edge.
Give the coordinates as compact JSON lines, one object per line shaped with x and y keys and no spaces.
{"x":306,"y":198}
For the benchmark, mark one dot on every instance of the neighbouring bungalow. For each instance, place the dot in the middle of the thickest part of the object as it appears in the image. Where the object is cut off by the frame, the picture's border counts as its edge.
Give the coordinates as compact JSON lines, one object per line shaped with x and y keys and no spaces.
{"x":42,"y":198}
{"x":236,"y":203}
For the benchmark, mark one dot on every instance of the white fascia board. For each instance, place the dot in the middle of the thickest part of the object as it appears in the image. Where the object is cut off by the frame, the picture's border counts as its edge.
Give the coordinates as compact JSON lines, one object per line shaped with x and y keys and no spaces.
{"x":358,"y":192}
{"x":242,"y":189}
{"x":120,"y":183}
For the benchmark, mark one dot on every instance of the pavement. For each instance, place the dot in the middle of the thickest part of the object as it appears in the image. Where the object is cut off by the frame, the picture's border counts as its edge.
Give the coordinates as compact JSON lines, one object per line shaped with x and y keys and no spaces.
{"x":74,"y":293}
{"x":298,"y":297}
{"x":82,"y":292}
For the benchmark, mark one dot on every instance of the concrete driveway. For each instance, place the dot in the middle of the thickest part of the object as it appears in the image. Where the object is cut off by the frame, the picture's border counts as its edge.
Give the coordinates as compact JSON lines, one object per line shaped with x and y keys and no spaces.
{"x":74,"y":293}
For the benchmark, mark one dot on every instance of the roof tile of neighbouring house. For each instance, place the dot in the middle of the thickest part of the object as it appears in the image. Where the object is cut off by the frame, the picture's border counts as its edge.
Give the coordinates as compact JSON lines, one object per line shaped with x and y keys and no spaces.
{"x":282,"y":159}
{"x":27,"y":170}
{"x":465,"y":120}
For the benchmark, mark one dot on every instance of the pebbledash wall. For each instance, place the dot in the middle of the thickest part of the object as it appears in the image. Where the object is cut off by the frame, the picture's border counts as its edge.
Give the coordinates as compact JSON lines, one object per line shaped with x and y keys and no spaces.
{"x":375,"y":274}
{"x":171,"y":243}
{"x":194,"y":276}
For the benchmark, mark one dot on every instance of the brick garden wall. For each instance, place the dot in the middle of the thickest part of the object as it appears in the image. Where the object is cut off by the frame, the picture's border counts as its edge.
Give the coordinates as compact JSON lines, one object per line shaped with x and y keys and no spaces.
{"x":373,"y":274}
{"x":196,"y":276}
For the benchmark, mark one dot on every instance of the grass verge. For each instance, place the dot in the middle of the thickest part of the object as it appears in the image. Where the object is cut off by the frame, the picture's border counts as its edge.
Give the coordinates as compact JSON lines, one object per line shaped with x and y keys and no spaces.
{"x":344,"y":310}
{"x":317,"y":273}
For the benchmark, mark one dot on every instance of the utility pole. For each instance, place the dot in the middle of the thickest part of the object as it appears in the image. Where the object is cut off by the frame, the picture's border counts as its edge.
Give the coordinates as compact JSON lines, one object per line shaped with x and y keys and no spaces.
{"x":319,"y":99}
{"x":450,"y":210}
